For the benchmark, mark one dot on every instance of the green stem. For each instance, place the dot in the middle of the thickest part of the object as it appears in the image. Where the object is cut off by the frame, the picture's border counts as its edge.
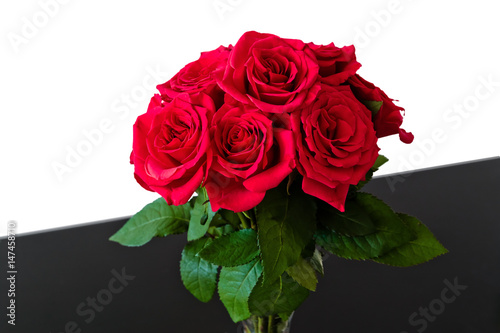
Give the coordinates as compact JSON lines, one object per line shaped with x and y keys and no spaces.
{"x":243,"y":220}
{"x":267,"y":324}
{"x":253,"y":218}
{"x":255,"y":324}
{"x":270,"y":324}
{"x":250,"y":216}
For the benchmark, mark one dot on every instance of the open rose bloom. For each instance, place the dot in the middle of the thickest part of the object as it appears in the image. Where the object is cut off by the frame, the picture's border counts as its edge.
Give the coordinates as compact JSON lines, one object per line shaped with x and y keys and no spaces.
{"x":240,"y":120}
{"x":276,"y":137}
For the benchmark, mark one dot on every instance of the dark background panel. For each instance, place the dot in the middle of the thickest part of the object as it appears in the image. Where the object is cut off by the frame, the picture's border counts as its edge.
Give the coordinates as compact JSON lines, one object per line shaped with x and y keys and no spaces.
{"x":61,"y":271}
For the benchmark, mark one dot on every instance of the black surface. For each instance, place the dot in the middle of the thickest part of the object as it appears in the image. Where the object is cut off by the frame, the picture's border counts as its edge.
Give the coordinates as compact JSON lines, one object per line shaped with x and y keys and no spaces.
{"x":59,"y":270}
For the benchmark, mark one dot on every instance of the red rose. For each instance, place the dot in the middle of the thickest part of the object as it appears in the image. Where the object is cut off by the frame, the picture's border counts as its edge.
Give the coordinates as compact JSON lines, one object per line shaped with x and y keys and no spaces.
{"x":336,"y":144}
{"x":170,"y":146}
{"x":198,"y":76}
{"x":388,"y":119}
{"x":274,"y":74}
{"x":336,"y":64}
{"x":249,"y":157}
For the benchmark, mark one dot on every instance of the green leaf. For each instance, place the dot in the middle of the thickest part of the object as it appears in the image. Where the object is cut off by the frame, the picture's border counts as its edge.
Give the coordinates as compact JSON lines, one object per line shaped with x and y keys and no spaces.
{"x":309,"y":249}
{"x":390,"y":233}
{"x":359,"y":186}
{"x":155,"y":219}
{"x":225,"y":217}
{"x":282,"y":297}
{"x":316,"y":262}
{"x":303,"y":273}
{"x":286,"y":224}
{"x":233,"y":249}
{"x":417,"y":251}
{"x":201,"y":216}
{"x":353,"y":222}
{"x":284,"y":316}
{"x":373,"y":106}
{"x":235,"y":286}
{"x":217,"y":232}
{"x":198,"y":275}
{"x":381,"y":160}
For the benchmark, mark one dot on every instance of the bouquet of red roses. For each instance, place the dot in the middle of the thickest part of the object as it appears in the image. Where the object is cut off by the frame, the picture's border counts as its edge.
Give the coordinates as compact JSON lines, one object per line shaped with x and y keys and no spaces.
{"x":276,"y":137}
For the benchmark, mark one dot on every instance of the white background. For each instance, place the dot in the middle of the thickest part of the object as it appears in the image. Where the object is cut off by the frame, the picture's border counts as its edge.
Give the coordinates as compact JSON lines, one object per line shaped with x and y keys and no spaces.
{"x":69,"y":68}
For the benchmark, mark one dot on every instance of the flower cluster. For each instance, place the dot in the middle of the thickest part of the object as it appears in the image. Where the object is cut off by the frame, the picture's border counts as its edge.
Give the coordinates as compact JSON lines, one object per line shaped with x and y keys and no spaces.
{"x":241,"y":119}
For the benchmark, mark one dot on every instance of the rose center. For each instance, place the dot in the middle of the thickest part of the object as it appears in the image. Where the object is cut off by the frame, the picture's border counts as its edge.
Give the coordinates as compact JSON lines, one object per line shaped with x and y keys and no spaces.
{"x":276,"y":74}
{"x":173,"y":135}
{"x":240,"y":138}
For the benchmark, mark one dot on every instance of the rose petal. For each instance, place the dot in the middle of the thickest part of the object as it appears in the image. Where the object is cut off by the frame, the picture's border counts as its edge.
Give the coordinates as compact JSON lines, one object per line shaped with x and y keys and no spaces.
{"x":406,"y":137}
{"x":273,"y":176}
{"x":231,"y":195}
{"x":334,"y":196}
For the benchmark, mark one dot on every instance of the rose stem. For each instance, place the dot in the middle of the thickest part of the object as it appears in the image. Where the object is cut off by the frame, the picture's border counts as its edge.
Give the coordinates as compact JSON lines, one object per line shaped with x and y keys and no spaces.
{"x":243,"y":220}
{"x":261,"y":325}
{"x":255,"y":324}
{"x":270,"y":324}
{"x":253,"y":218}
